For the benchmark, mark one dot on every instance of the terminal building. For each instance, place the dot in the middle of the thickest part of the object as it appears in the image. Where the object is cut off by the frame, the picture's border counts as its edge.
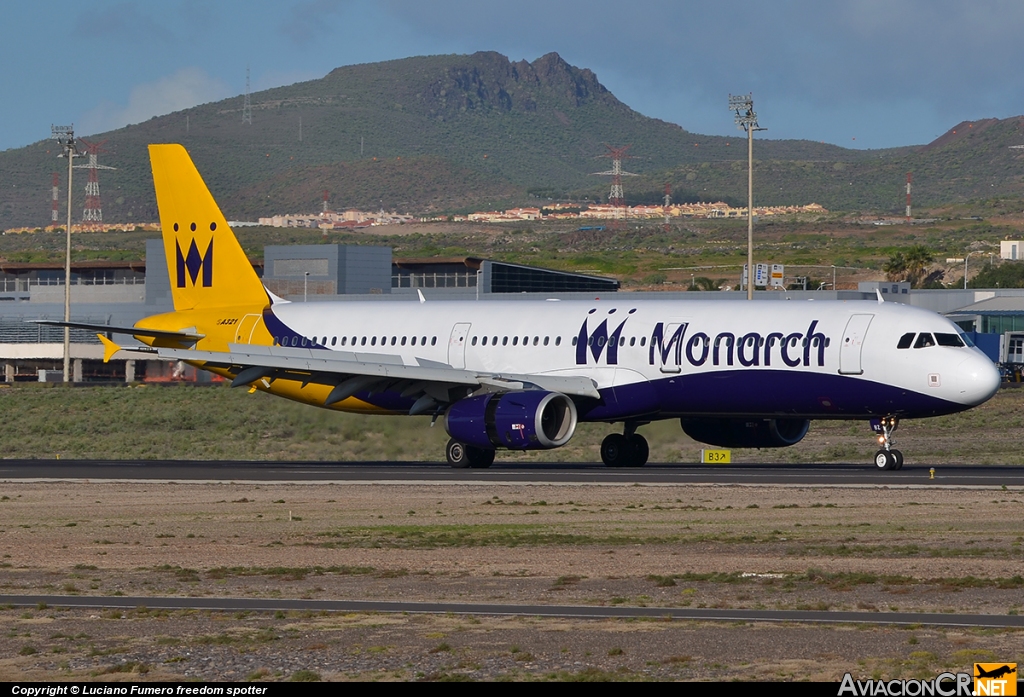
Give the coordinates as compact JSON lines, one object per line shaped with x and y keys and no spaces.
{"x":122,"y":293}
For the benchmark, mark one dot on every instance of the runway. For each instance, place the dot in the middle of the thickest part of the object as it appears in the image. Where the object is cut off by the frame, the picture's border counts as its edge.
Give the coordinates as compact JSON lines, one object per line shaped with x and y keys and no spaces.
{"x":513,"y":473}
{"x":567,"y":611}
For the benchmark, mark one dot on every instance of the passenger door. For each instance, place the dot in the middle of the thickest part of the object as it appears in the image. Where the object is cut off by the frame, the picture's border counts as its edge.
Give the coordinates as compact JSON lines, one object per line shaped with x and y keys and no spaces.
{"x":853,"y":343}
{"x":457,"y":345}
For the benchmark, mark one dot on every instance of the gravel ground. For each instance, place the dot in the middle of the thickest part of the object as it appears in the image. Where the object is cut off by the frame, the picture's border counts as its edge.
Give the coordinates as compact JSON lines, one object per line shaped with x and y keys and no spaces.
{"x":698,"y":546}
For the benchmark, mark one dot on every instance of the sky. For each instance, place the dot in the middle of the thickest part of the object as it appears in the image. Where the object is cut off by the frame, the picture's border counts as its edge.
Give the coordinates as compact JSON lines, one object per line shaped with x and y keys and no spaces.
{"x":856,"y":73}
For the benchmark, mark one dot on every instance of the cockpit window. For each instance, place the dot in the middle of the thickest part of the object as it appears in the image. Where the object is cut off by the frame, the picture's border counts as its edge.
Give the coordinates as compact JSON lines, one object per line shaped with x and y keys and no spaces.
{"x":906,"y":341}
{"x":948,"y":340}
{"x":966,"y":339}
{"x":924,"y":340}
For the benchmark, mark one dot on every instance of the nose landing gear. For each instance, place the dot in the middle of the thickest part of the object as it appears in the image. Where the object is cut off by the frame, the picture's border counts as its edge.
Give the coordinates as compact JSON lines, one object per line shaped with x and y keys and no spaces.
{"x":888,"y":457}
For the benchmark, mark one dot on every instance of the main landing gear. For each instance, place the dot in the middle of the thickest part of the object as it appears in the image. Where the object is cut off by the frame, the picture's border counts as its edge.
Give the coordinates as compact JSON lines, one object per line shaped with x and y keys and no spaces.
{"x":888,"y":457}
{"x":462,"y":456}
{"x":628,"y":449}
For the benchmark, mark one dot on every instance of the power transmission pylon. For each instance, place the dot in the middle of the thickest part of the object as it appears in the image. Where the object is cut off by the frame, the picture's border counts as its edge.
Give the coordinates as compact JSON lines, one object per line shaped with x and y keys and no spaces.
{"x":615,"y":197}
{"x":93,"y":211}
{"x":247,"y":106}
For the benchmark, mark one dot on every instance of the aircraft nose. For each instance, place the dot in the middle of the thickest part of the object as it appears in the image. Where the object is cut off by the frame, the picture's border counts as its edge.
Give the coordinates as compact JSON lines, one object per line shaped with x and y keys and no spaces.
{"x":978,"y":379}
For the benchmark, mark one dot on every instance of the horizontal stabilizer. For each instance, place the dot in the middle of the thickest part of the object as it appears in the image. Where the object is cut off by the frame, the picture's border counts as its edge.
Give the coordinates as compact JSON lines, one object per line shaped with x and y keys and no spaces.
{"x":133,"y":331}
{"x":109,"y":348}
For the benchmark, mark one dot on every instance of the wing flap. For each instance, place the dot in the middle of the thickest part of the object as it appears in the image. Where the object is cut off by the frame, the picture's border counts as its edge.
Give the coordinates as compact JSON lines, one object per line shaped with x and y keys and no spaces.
{"x":342,"y":368}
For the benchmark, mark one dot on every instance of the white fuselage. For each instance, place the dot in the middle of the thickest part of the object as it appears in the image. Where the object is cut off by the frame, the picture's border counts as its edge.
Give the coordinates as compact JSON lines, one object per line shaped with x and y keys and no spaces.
{"x":664,"y":358}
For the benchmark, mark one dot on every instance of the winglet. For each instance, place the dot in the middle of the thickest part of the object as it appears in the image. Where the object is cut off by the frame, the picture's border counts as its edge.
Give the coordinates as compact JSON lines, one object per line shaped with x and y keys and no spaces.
{"x":420,"y":293}
{"x":109,"y":348}
{"x":878,"y":293}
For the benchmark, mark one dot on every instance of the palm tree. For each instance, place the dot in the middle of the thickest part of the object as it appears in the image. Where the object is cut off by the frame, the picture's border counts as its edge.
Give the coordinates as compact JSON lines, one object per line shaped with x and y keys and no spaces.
{"x":918,"y":258}
{"x":896,"y":267}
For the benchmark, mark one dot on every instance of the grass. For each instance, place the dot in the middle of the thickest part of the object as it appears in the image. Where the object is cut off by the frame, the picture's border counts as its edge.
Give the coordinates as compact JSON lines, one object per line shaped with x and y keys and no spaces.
{"x":119,"y":422}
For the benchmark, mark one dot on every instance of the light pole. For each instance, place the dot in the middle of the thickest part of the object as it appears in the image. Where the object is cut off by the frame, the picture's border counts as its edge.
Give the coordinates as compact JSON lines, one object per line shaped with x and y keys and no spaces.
{"x":833,"y":276}
{"x":65,"y":137}
{"x":965,"y":265}
{"x":746,"y":119}
{"x":305,"y":286}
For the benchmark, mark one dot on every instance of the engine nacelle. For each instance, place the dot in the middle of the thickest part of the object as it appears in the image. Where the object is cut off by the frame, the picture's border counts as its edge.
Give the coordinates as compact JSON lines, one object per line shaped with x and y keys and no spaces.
{"x":528,"y":420}
{"x":746,"y":433}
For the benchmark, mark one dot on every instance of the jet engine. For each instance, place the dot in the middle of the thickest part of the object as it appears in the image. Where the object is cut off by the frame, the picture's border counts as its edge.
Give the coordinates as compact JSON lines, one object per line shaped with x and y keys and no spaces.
{"x":746,"y":433}
{"x":527,"y":420}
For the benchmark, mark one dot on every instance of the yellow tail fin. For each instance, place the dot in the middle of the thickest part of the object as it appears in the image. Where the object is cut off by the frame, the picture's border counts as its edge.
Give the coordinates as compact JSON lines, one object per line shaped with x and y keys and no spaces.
{"x":206,"y":264}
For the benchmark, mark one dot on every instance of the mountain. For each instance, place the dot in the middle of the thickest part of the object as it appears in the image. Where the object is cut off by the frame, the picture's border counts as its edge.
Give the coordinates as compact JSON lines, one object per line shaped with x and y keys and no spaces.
{"x":442,"y":133}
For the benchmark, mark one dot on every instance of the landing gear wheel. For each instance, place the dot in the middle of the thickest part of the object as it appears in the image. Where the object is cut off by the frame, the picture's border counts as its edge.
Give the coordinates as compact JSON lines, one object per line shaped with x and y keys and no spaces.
{"x":885,"y":460}
{"x":479,"y":458}
{"x":457,"y":454}
{"x":641,"y":451}
{"x":899,"y":458}
{"x":615,"y":450}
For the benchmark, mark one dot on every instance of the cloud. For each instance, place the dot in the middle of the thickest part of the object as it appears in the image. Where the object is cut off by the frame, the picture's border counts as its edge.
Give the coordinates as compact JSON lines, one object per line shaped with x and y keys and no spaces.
{"x":185,"y":88}
{"x":307,"y":20}
{"x":122,"y":21}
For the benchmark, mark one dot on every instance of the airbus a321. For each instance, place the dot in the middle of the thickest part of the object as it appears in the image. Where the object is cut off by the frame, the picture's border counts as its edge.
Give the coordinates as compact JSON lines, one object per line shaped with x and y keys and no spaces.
{"x":522,"y":375}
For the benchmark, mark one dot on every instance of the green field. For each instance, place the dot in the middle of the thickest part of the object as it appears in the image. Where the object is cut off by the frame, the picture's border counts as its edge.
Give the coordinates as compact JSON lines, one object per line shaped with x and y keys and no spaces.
{"x":641,"y":254}
{"x":220,"y":423}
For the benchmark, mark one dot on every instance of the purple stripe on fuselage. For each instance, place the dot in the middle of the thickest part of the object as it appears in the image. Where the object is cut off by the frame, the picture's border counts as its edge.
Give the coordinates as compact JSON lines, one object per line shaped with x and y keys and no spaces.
{"x":764,"y":393}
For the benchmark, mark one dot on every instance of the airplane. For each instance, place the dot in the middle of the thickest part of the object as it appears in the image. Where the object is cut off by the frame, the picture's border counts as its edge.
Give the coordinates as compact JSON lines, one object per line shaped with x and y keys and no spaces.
{"x":521,"y":375}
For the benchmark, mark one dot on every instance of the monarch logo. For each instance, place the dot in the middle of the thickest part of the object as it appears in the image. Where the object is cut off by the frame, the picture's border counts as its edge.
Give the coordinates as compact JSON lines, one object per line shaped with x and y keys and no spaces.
{"x":995,"y":679}
{"x":193,"y":263}
{"x":597,"y":342}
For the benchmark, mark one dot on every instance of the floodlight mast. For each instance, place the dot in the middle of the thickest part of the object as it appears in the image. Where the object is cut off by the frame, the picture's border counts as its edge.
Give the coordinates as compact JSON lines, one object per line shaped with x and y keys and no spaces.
{"x":746,"y":119}
{"x":65,"y":137}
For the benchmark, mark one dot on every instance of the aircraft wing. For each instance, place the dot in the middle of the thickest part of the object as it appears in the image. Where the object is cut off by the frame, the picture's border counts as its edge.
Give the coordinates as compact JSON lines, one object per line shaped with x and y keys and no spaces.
{"x":351,"y":372}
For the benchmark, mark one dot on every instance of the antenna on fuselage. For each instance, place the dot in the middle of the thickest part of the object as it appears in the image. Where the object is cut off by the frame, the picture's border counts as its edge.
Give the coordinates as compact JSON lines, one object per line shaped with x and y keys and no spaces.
{"x":420,"y":293}
{"x":878,"y":294}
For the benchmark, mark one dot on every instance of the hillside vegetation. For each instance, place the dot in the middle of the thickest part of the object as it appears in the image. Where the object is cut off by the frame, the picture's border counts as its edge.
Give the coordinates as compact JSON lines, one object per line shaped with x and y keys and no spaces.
{"x":442,"y":133}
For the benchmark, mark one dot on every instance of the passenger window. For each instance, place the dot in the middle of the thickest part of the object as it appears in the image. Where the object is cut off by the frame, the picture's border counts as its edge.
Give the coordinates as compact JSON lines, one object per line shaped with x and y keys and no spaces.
{"x":433,"y":340}
{"x":373,"y":341}
{"x":413,"y":341}
{"x":643,"y":341}
{"x":632,"y":341}
{"x":423,"y":341}
{"x":515,"y":341}
{"x":334,"y":341}
{"x":494,"y":341}
{"x":924,"y":340}
{"x":403,"y":341}
{"x":473,"y":342}
{"x":504,"y":341}
{"x":906,"y":341}
{"x":558,"y":341}
{"x":575,"y":340}
{"x":546,"y":340}
{"x":536,"y":340}
{"x":948,"y":340}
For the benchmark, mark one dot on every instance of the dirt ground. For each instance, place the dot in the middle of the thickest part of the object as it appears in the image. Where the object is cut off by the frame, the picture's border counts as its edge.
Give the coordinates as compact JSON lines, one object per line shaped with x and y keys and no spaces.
{"x":823,"y":548}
